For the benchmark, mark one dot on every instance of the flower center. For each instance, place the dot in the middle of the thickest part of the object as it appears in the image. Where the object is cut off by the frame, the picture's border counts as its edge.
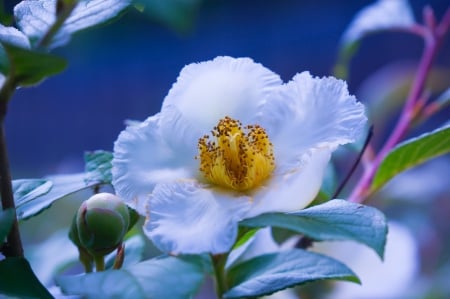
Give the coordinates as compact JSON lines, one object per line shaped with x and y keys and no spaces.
{"x":238,"y":158}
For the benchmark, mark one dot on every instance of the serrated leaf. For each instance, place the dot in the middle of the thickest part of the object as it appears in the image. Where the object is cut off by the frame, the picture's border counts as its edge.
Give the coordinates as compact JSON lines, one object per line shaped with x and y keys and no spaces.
{"x":32,"y":67}
{"x":63,"y":185}
{"x":334,"y":220}
{"x":35,"y":17}
{"x":18,"y":280}
{"x":165,"y":277}
{"x":6,"y":221}
{"x":98,"y":166}
{"x":411,"y":153}
{"x":266,"y":274}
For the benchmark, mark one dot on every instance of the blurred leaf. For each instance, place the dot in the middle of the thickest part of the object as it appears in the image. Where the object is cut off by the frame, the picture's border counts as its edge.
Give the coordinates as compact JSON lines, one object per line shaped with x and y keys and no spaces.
{"x":12,"y":36}
{"x":35,"y":17}
{"x":268,"y":273}
{"x":18,"y":280}
{"x":6,"y":221}
{"x":444,"y":99}
{"x":164,"y":277}
{"x":411,"y":153}
{"x":177,"y":14}
{"x":32,"y":67}
{"x":98,"y":166}
{"x":63,"y":185}
{"x":381,"y":15}
{"x":134,"y":252}
{"x":334,"y":220}
{"x":28,"y":189}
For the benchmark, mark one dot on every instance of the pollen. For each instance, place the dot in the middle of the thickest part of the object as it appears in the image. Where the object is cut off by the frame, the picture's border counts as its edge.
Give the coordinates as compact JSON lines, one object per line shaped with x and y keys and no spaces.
{"x":236,"y":157}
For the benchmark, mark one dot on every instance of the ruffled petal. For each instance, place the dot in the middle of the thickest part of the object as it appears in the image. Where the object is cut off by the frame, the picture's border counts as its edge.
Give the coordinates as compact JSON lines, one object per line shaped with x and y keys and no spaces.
{"x":142,"y":159}
{"x":294,"y":189}
{"x":312,"y":113}
{"x":208,"y":91}
{"x":185,"y":217}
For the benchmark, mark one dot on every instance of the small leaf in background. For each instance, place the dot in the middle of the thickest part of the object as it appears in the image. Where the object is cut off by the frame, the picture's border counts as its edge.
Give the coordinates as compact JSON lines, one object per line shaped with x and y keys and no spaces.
{"x":134,"y":252}
{"x":412,"y":153}
{"x":164,"y":277}
{"x":32,"y":67}
{"x":12,"y":36}
{"x":266,"y":274}
{"x":6,"y":221}
{"x":381,"y":15}
{"x":334,"y":220}
{"x":28,"y":189}
{"x":63,"y":185}
{"x":177,"y":14}
{"x":35,"y":17}
{"x":18,"y":280}
{"x":98,"y":166}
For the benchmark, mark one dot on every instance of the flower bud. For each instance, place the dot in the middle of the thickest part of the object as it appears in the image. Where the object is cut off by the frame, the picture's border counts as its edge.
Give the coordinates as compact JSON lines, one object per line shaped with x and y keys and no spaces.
{"x":102,"y":222}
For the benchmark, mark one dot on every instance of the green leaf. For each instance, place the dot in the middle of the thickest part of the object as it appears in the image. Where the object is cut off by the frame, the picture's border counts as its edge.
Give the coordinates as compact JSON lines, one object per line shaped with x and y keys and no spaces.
{"x":6,"y":221}
{"x":63,"y":185}
{"x":32,"y":67}
{"x":18,"y":280}
{"x":334,"y":220}
{"x":165,"y":277}
{"x":266,"y":274}
{"x":134,"y":252}
{"x":177,"y":14}
{"x":35,"y":17}
{"x":26,"y":190}
{"x":98,"y":166}
{"x":412,"y":153}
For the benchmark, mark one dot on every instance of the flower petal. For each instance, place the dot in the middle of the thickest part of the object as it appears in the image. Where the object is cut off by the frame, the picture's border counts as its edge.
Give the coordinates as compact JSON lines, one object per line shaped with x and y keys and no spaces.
{"x":185,"y":217}
{"x":311,"y":113}
{"x":295,"y":189}
{"x":142,"y":159}
{"x":208,"y":91}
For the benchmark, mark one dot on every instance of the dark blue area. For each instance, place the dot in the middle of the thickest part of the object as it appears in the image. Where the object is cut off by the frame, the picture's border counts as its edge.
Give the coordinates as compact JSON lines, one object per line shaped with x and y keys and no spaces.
{"x":124,"y":70}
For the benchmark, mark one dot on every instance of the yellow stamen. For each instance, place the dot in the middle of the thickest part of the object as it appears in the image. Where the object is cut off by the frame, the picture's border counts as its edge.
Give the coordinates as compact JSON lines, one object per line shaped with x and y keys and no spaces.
{"x":240,"y":159}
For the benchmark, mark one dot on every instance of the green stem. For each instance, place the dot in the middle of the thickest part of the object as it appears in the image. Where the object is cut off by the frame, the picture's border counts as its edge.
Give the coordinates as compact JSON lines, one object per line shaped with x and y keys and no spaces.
{"x":220,"y":277}
{"x":99,"y":263}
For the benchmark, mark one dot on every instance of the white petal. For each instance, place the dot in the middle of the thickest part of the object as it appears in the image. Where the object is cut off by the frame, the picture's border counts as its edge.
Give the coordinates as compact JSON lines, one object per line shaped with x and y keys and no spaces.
{"x":14,"y":37}
{"x":187,"y":218}
{"x":312,"y":113}
{"x":382,"y":15}
{"x":142,"y":159}
{"x":295,"y":189}
{"x":208,"y":91}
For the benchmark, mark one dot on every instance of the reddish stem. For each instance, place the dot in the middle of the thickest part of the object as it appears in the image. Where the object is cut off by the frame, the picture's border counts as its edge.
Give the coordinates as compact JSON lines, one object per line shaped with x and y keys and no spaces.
{"x":433,"y":40}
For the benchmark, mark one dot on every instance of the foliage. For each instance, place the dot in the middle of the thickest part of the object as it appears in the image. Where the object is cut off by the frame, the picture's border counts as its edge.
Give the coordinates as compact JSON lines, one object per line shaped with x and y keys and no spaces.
{"x":134,"y":268}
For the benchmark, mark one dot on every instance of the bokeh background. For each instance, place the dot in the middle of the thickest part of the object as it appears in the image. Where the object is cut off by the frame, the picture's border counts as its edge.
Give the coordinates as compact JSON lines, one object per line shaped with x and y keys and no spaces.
{"x":123,"y":70}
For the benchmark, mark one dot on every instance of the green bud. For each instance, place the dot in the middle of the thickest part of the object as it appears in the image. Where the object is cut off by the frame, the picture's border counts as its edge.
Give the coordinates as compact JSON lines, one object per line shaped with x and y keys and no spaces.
{"x":102,"y":222}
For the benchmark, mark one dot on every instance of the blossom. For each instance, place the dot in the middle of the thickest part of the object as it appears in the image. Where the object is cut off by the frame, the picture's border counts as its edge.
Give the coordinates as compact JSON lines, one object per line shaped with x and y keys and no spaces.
{"x":231,"y":141}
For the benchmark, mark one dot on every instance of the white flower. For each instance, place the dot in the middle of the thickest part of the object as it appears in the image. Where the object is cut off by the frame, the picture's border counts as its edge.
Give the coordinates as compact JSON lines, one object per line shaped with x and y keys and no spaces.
{"x":195,"y":189}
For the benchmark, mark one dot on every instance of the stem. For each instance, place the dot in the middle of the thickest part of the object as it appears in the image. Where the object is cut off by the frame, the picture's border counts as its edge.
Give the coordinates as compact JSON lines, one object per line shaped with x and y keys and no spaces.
{"x":99,"y":263}
{"x":219,"y":262}
{"x":433,"y":41}
{"x":13,"y":247}
{"x":62,"y":14}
